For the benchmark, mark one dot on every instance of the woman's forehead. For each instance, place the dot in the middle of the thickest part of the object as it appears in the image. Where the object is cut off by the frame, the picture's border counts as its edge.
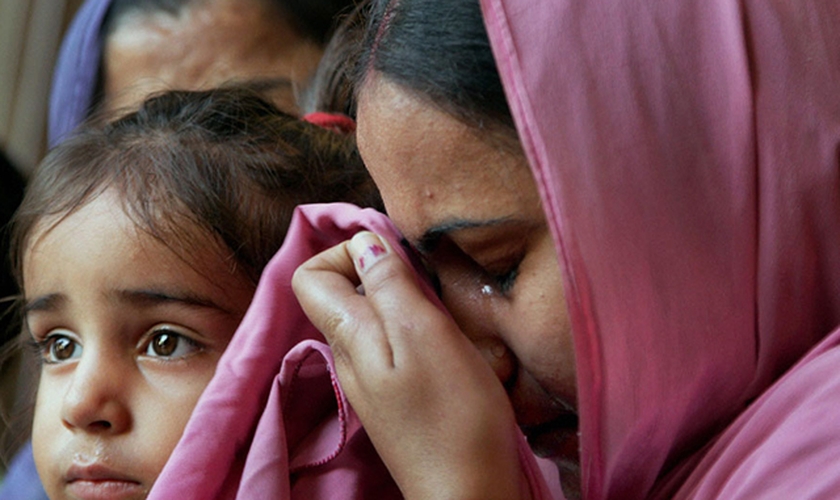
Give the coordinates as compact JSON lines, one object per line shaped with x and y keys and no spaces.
{"x":431,"y":168}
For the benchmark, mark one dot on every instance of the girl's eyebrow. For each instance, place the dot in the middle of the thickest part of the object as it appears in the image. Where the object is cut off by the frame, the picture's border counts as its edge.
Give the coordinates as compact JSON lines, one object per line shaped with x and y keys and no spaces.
{"x":45,"y":303}
{"x":142,"y":298}
{"x":152,"y":297}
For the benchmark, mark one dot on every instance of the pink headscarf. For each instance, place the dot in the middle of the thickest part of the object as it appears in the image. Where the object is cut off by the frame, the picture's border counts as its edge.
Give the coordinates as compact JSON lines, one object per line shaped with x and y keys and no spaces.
{"x":687,"y":157}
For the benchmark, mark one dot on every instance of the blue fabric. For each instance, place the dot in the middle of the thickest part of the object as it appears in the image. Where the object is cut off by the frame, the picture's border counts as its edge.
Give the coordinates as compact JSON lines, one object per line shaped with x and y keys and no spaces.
{"x":76,"y":71}
{"x":22,"y":481}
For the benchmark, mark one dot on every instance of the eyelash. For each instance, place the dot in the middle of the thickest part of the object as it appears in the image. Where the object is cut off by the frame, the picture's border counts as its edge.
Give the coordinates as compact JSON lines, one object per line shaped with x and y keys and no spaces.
{"x":506,"y":281}
{"x":503,"y":282}
{"x":423,"y":261}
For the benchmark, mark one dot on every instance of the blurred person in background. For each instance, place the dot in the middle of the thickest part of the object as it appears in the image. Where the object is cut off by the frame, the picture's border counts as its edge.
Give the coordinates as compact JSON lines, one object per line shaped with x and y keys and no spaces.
{"x":118,"y":51}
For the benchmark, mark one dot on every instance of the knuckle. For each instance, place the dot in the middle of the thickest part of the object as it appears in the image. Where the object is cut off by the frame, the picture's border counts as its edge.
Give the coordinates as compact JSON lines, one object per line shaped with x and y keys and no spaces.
{"x":381,"y":277}
{"x":333,"y":324}
{"x":298,"y":278}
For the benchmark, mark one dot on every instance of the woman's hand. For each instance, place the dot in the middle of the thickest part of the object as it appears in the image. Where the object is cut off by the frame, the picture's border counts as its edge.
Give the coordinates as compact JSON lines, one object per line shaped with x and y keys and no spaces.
{"x":433,"y":408}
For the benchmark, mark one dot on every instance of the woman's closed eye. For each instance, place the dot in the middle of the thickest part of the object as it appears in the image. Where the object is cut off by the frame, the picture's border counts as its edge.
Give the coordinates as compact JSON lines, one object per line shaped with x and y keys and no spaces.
{"x":58,"y":347}
{"x":170,"y":342}
{"x":505,"y":281}
{"x":495,"y":270}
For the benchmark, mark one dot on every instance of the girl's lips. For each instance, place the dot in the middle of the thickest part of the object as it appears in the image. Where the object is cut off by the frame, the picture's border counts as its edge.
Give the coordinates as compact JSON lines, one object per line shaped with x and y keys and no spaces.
{"x":94,"y":472}
{"x":106,"y":489}
{"x":97,"y":482}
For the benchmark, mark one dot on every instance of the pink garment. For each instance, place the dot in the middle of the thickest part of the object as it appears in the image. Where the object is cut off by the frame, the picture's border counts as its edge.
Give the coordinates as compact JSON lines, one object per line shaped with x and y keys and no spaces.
{"x":274,"y":423}
{"x":686,"y":152}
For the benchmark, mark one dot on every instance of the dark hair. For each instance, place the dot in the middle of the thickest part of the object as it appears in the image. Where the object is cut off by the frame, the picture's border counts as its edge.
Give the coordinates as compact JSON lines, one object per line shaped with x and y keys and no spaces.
{"x":12,"y":375}
{"x":317,"y":19}
{"x":439,"y":50}
{"x":225,"y":161}
{"x":331,"y":86}
{"x":11,"y":193}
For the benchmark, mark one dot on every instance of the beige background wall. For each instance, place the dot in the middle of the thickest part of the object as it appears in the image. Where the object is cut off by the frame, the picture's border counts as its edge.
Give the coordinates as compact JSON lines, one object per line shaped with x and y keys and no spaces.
{"x":30,"y":33}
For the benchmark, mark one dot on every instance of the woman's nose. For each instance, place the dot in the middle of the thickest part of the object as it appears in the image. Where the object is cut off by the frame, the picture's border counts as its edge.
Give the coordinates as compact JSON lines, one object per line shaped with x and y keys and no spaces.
{"x":473,"y":311}
{"x":95,"y":401}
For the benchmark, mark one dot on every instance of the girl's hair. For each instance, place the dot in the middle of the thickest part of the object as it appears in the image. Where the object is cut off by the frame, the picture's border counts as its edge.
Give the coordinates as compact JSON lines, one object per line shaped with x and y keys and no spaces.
{"x":224,"y":161}
{"x":439,"y":50}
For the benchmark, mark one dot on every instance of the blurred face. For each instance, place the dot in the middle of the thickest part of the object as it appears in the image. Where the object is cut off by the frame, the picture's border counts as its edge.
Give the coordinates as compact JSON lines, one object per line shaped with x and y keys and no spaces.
{"x":129,"y":336}
{"x":209,"y":44}
{"x":471,"y":208}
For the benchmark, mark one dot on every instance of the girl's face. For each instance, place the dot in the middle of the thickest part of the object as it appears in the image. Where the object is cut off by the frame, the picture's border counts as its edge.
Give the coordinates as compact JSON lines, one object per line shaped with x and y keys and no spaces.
{"x":129,"y":334}
{"x":471,"y":208}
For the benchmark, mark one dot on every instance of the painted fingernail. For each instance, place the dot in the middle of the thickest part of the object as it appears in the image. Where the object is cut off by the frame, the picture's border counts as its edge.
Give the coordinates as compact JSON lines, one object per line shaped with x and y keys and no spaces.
{"x":368,"y":249}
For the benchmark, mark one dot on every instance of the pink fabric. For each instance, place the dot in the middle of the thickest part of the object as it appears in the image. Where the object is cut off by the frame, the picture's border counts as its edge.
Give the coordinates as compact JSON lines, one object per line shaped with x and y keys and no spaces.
{"x":687,"y":157}
{"x":274,"y":422}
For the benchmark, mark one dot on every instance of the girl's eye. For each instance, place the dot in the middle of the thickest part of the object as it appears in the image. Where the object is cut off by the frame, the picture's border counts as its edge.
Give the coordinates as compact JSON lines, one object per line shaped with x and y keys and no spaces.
{"x":167,"y":343}
{"x":58,"y":348}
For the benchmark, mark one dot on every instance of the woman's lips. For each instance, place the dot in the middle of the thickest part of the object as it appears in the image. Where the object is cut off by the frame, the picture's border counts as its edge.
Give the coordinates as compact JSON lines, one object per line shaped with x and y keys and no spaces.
{"x":97,"y":482}
{"x":557,"y":438}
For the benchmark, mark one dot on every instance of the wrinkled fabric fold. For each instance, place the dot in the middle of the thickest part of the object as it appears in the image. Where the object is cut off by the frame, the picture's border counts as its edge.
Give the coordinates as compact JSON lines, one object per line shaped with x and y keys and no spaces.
{"x":274,"y":421}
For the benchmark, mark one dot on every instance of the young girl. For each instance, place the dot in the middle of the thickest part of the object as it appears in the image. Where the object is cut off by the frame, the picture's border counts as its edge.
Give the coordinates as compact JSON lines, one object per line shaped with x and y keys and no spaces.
{"x":116,"y":52}
{"x":138,"y":248}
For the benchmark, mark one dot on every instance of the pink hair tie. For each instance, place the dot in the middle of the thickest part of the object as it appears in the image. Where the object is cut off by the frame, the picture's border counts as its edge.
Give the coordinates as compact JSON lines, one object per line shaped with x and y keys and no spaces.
{"x":336,"y":122}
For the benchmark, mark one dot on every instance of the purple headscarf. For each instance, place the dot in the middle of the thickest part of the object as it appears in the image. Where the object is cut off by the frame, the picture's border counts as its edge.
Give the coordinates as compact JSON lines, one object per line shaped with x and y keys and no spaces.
{"x":76,"y":71}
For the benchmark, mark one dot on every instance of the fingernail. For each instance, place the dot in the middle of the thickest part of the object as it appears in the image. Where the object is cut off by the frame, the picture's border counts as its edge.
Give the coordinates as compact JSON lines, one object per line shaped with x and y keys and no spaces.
{"x":367,"y":249}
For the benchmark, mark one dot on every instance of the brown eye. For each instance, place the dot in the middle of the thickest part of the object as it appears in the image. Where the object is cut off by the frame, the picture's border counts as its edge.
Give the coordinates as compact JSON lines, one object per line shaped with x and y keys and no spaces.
{"x":164,"y":344}
{"x":63,"y":348}
{"x":167,"y":343}
{"x":58,"y":348}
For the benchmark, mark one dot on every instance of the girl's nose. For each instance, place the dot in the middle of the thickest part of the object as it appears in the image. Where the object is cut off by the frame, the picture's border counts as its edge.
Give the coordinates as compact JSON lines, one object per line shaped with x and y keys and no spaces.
{"x":95,"y":401}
